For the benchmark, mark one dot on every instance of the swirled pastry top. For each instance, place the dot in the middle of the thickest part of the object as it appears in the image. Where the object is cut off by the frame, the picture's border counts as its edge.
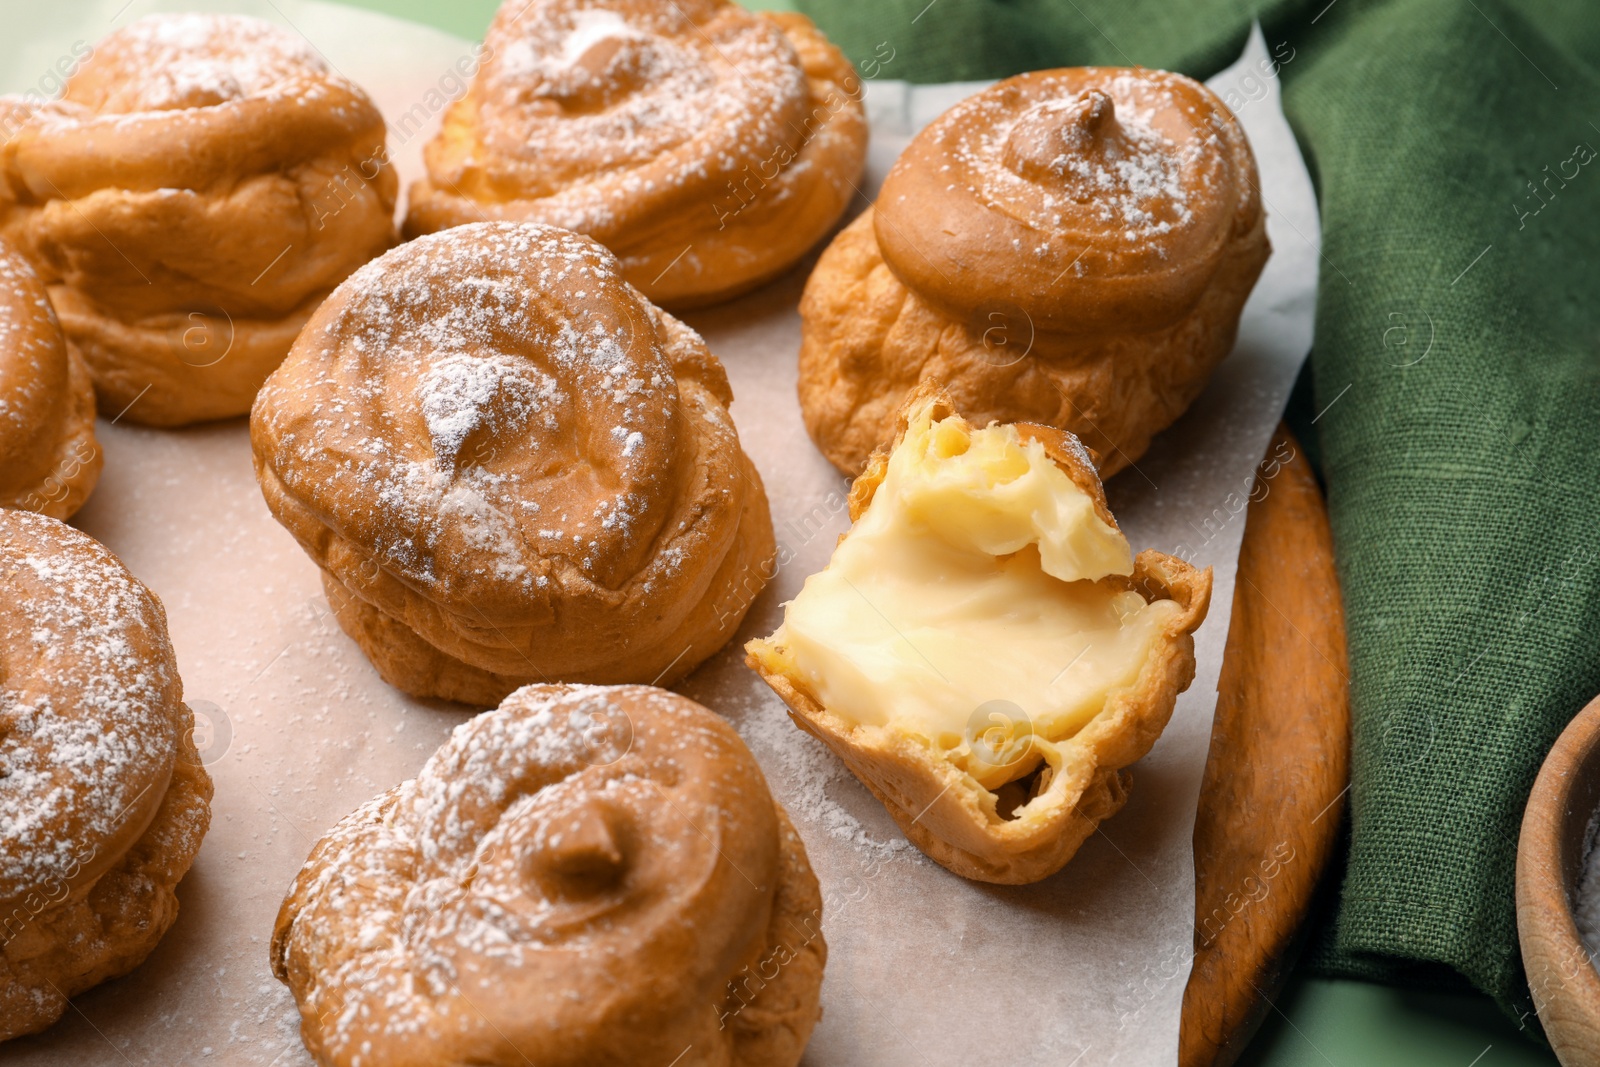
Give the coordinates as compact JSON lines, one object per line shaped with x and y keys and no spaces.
{"x":708,"y":147}
{"x":89,"y":707}
{"x":571,"y":879}
{"x":639,"y":112}
{"x":239,"y":95}
{"x":1089,"y":198}
{"x":490,"y":414}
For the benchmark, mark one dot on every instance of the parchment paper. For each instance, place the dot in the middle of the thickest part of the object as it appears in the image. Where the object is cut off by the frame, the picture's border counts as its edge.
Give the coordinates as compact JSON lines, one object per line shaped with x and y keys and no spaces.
{"x":1087,"y":967}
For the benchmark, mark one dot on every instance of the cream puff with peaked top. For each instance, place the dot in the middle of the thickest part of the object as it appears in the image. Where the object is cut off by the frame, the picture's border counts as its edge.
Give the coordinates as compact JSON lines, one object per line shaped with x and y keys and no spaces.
{"x":585,"y":876}
{"x":984,"y":650}
{"x":709,"y":147}
{"x":1069,"y":247}
{"x":202,"y":184}
{"x":512,"y":468}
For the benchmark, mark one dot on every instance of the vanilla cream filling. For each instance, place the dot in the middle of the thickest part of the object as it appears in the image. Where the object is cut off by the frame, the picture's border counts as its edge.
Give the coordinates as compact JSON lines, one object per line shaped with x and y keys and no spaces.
{"x":965,"y":608}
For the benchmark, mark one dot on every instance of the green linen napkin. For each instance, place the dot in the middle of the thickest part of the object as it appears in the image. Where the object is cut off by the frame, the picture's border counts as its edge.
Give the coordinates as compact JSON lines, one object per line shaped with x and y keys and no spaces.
{"x":1455,"y":145}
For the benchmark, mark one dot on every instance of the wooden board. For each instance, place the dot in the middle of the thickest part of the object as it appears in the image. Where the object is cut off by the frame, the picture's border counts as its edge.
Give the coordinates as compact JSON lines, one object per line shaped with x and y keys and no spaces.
{"x":1275,"y":781}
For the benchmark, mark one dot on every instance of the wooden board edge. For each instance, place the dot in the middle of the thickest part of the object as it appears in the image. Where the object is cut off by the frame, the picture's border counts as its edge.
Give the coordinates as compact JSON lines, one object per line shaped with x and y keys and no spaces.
{"x":1275,"y":780}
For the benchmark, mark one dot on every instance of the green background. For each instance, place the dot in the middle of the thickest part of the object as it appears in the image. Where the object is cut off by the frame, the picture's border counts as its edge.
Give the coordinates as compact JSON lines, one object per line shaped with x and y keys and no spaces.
{"x":1314,"y":1022}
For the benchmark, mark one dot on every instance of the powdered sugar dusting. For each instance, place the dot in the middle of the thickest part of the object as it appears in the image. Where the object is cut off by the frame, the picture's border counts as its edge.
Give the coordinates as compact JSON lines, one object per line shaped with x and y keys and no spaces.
{"x":196,"y":60}
{"x":631,"y":108}
{"x":590,"y":27}
{"x":462,"y":395}
{"x":1133,"y":180}
{"x":445,"y":899}
{"x":1586,"y":906}
{"x":1117,"y":160}
{"x":497,"y":400}
{"x":88,"y":731}
{"x":806,"y":776}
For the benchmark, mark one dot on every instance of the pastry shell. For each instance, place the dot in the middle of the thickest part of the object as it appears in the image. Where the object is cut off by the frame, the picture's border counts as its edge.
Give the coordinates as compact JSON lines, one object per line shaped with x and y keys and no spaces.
{"x":1082,"y":779}
{"x":756,"y":139}
{"x":1053,"y":298}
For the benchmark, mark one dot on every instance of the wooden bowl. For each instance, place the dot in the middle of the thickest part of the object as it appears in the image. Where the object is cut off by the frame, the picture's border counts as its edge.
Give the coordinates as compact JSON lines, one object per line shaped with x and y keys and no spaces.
{"x":1550,"y":857}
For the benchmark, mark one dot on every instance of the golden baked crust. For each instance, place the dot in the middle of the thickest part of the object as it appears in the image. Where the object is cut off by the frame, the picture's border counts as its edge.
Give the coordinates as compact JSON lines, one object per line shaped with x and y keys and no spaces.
{"x":103,"y":801}
{"x":942,"y":808}
{"x":1070,"y":247}
{"x":204,"y":182}
{"x":708,"y":147}
{"x":513,"y":468}
{"x":49,"y":458}
{"x":583,"y":877}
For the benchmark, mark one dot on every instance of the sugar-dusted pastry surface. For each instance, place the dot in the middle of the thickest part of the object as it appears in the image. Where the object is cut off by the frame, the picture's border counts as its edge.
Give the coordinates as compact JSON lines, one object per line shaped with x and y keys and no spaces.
{"x":709,"y":147}
{"x":582,"y":877}
{"x":512,"y":467}
{"x":971,"y":578}
{"x":103,"y":800}
{"x":202,"y":184}
{"x":1069,"y":247}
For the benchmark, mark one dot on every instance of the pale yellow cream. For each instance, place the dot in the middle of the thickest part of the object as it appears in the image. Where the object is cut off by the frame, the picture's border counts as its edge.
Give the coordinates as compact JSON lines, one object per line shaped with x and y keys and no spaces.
{"x":964,"y":608}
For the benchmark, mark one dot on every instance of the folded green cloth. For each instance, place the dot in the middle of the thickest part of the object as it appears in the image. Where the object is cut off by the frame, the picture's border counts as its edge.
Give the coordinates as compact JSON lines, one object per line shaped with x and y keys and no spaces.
{"x":1457,"y":400}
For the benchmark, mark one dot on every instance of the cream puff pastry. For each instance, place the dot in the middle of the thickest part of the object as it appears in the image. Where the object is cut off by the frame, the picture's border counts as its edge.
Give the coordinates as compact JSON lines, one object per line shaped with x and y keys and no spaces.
{"x":984,"y":651}
{"x":512,"y":467}
{"x":707,"y":146}
{"x":103,"y":800}
{"x":203,"y":183}
{"x":1069,"y":247}
{"x":49,"y":458}
{"x":583,"y":877}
